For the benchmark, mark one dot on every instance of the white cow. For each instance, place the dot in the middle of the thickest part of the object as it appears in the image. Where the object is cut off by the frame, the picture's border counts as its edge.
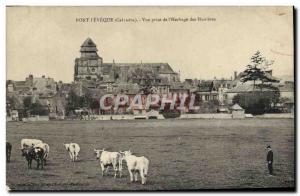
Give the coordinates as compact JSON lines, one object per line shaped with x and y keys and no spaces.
{"x":107,"y":159}
{"x":136,"y":165}
{"x":29,"y":142}
{"x":46,"y":149}
{"x":73,"y":150}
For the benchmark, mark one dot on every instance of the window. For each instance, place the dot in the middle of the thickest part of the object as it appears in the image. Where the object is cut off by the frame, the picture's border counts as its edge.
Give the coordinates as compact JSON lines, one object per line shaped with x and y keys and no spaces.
{"x":206,"y":97}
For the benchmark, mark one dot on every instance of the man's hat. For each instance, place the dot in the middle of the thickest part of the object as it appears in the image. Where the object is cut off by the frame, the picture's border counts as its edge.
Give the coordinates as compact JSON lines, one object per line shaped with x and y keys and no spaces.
{"x":268,"y":146}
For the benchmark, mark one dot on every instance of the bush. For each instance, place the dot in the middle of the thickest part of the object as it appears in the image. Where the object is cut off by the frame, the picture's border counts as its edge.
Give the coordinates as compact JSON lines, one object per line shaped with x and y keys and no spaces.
{"x":257,"y":102}
{"x":34,"y":108}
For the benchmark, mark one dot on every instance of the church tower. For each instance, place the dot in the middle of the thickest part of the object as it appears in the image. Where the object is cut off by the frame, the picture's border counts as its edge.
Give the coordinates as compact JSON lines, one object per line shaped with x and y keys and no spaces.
{"x":88,"y":66}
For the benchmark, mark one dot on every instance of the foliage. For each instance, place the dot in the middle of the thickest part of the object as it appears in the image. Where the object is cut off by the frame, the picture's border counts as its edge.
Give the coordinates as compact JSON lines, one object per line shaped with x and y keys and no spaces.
{"x":258,"y":102}
{"x":257,"y":70}
{"x":11,"y":103}
{"x":34,"y":108}
{"x":75,"y":101}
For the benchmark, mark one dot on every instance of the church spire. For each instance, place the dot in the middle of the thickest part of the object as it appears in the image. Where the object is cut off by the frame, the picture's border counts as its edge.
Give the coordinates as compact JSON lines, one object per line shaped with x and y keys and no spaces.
{"x":89,"y":48}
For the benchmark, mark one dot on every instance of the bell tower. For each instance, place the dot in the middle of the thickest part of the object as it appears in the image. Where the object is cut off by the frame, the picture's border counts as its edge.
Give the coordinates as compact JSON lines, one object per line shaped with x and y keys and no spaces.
{"x":88,"y":66}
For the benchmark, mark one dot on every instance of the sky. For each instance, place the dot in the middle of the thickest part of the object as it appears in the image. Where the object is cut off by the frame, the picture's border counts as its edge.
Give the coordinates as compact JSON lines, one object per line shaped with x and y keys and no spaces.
{"x":46,"y":40}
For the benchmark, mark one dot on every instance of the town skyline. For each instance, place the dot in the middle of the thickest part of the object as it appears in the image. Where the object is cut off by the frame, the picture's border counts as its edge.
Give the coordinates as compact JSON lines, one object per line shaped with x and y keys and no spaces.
{"x":49,"y":46}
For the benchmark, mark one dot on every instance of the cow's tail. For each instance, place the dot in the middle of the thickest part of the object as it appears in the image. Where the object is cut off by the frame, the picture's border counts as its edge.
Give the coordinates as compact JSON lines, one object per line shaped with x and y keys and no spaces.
{"x":46,"y":151}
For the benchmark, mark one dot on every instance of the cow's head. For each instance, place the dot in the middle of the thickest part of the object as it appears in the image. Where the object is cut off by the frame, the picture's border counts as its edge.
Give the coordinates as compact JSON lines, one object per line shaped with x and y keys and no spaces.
{"x":24,"y":151}
{"x":125,"y":153}
{"x":27,"y":151}
{"x":66,"y":146}
{"x":98,"y":153}
{"x":38,"y":152}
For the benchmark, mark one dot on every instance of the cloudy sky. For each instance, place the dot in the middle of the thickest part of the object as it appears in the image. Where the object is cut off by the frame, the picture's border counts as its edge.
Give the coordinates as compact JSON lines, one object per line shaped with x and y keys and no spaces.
{"x":46,"y":40}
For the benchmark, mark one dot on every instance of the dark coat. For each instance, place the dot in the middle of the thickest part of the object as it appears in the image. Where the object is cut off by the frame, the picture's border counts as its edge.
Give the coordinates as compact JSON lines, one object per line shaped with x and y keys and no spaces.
{"x":270,"y":156}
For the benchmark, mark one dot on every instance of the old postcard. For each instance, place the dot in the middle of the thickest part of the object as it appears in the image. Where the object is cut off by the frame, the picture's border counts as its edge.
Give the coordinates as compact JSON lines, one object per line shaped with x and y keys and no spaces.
{"x":150,"y":98}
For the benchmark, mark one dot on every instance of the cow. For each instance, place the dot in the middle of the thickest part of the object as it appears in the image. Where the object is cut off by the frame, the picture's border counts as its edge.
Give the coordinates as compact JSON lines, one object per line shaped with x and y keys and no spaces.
{"x":34,"y":153}
{"x":29,"y":142}
{"x":73,"y":150}
{"x":136,"y":165}
{"x":107,"y":159}
{"x":8,"y":151}
{"x":46,"y":149}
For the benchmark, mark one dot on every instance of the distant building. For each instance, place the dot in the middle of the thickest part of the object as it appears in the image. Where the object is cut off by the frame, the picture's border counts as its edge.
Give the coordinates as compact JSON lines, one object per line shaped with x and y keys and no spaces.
{"x":287,"y":90}
{"x":246,"y":88}
{"x":39,"y":86}
{"x":90,"y":67}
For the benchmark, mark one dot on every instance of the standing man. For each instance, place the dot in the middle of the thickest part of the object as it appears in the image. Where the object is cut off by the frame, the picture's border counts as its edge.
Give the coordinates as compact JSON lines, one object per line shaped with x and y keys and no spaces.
{"x":270,"y":159}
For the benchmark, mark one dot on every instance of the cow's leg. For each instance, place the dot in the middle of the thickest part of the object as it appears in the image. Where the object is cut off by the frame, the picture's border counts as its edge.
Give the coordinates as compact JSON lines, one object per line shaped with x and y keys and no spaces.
{"x":136,"y":176}
{"x":142,"y":176}
{"x":131,"y":175}
{"x":116,"y":169}
{"x":75,"y":156}
{"x":37,"y":164}
{"x":71,"y":157}
{"x":45,"y":157}
{"x":120,"y":168}
{"x":102,"y":169}
{"x":106,"y":170}
{"x":120,"y":172}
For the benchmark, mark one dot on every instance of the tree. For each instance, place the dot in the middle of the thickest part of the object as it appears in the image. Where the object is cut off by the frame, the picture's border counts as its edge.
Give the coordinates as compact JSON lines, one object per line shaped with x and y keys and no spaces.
{"x":35,"y":108}
{"x":257,"y":70}
{"x":257,"y":103}
{"x":73,"y":102}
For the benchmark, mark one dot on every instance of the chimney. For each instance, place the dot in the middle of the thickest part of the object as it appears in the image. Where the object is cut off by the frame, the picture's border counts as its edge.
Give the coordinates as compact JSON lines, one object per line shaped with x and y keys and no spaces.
{"x":235,"y":75}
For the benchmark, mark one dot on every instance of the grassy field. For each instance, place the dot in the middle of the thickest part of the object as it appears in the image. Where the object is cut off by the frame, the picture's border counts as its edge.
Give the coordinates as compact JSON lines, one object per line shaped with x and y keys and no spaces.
{"x":183,"y":154}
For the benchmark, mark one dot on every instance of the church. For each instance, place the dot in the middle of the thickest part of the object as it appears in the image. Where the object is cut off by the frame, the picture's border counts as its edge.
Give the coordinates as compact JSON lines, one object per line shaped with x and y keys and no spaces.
{"x":89,"y":67}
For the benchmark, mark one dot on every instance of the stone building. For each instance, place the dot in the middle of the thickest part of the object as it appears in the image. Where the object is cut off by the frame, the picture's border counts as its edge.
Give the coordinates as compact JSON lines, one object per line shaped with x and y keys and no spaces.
{"x":91,"y":69}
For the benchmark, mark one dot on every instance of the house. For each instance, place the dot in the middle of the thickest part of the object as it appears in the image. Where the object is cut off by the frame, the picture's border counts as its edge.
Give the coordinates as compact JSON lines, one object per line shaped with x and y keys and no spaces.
{"x":207,"y":91}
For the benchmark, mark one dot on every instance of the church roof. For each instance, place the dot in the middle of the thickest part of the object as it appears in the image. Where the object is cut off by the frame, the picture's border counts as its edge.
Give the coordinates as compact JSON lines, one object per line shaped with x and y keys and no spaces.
{"x":88,"y":43}
{"x":88,"y":46}
{"x":205,"y":86}
{"x":161,"y":68}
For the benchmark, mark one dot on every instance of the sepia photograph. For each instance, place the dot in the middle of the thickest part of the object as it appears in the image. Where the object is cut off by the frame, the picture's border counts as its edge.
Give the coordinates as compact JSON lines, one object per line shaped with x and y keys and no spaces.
{"x":150,"y":98}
